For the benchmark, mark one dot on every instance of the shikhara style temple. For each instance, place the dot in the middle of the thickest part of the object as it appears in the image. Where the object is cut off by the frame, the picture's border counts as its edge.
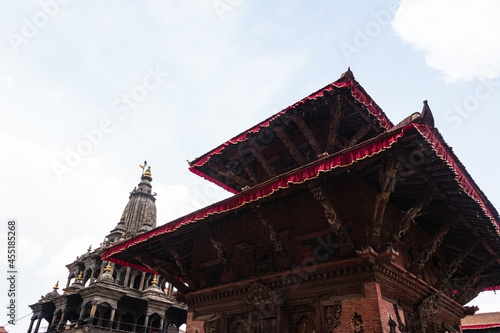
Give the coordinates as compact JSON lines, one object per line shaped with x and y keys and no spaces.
{"x":102,"y":296}
{"x":340,"y":222}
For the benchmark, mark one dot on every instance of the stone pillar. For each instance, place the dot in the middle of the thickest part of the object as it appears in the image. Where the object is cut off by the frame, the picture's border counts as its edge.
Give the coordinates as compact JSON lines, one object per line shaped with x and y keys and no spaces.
{"x":281,"y":319}
{"x":126,"y":276}
{"x":38,"y":324}
{"x":135,"y":325}
{"x":111,"y":317}
{"x":146,"y":321}
{"x":92,"y":312}
{"x":61,"y":322}
{"x":91,"y":276}
{"x":69,"y":280}
{"x":31,"y":324}
{"x":52,"y":323}
{"x":141,"y":286}
{"x":161,"y":324}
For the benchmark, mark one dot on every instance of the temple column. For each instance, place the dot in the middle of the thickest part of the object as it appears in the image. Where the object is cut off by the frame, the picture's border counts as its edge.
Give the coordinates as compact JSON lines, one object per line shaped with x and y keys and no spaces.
{"x":31,"y":324}
{"x":135,"y":325}
{"x":69,"y":280}
{"x":146,"y":321}
{"x":126,"y":276}
{"x":111,"y":318}
{"x":92,"y":313}
{"x":161,"y":324}
{"x":91,"y":276}
{"x":143,"y":277}
{"x":38,"y":324}
{"x":52,"y":323}
{"x":132,"y":280}
{"x":61,"y":322}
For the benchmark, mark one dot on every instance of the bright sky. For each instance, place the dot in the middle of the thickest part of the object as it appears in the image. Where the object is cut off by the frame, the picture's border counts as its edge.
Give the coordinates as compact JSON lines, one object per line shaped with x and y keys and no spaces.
{"x":91,"y":89}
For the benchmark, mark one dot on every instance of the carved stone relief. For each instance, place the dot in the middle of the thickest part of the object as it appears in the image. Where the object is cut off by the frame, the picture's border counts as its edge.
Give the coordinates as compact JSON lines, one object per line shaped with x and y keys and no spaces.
{"x":357,"y":323}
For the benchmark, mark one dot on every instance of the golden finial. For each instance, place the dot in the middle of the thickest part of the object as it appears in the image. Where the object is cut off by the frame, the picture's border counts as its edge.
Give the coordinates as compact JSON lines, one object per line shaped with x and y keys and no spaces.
{"x":108,"y":268}
{"x":90,"y":248}
{"x":154,"y":282}
{"x":122,"y":218}
{"x":147,"y":174}
{"x":56,"y":286}
{"x":79,"y":278}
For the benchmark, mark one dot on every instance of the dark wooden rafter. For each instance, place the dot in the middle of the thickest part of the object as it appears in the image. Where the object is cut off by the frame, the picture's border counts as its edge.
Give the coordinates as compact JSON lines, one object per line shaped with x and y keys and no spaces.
{"x":358,"y":135}
{"x":387,"y":178}
{"x":262,"y":160}
{"x":166,"y":269}
{"x":362,"y":113}
{"x":455,"y":264}
{"x":292,"y":149}
{"x":180,"y":264}
{"x":336,"y":112}
{"x":434,"y":244}
{"x":474,"y":278}
{"x":308,"y":134}
{"x":273,"y":236}
{"x":410,"y":215}
{"x":472,"y":293}
{"x":221,"y":251}
{"x":247,"y":167}
{"x":331,"y":216}
{"x":242,"y":182}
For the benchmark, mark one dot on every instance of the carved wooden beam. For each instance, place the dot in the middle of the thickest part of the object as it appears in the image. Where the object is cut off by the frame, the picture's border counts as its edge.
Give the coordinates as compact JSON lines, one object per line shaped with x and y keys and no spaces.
{"x":434,"y":244}
{"x":292,"y":149}
{"x":362,"y":113}
{"x":335,"y":111}
{"x":331,"y":216}
{"x":474,"y":278}
{"x":247,"y":168}
{"x":181,"y":265}
{"x":455,"y":265}
{"x":358,"y":135}
{"x":260,"y":157}
{"x":273,"y":236}
{"x":242,"y":182}
{"x":472,"y":293}
{"x":308,"y":134}
{"x":221,"y":251}
{"x":387,"y":179}
{"x":165,"y":269}
{"x":410,"y":216}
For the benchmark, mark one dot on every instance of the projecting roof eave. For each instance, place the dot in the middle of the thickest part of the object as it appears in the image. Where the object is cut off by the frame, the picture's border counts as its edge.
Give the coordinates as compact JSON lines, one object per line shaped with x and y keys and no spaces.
{"x":346,"y":81}
{"x":341,"y":159}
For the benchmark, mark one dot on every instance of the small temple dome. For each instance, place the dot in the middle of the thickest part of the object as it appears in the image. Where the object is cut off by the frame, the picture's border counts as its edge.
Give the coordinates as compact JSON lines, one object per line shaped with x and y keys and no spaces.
{"x":53,"y":294}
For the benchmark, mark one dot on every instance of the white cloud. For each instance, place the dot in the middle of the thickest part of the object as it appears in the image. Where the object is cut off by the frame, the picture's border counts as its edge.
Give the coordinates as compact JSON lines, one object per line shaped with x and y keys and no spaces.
{"x":459,"y":37}
{"x":56,"y":95}
{"x":8,"y":81}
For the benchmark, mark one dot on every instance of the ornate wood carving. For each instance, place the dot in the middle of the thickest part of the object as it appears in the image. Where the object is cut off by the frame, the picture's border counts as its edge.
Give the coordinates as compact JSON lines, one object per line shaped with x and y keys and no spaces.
{"x":260,"y":157}
{"x":434,"y":243}
{"x":402,"y":327}
{"x":336,"y":111}
{"x":209,"y":327}
{"x":410,"y":216}
{"x":278,"y":246}
{"x":357,"y":323}
{"x":180,"y":264}
{"x":332,"y":316}
{"x":387,"y":179}
{"x":392,"y":325}
{"x":362,"y":113}
{"x":428,"y":307}
{"x":455,"y":264}
{"x":259,"y":294}
{"x":474,"y":278}
{"x":331,"y":216}
{"x":221,"y":252}
{"x":297,"y":156}
{"x":308,"y":134}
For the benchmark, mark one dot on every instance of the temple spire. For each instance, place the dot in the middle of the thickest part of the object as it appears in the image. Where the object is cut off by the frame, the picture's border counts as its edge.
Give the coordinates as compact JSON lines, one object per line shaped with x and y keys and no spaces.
{"x":139,"y":214}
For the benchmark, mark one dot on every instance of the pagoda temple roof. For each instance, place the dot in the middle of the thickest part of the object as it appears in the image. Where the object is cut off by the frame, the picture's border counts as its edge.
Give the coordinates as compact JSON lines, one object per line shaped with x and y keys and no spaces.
{"x":438,"y":169}
{"x":340,"y":115}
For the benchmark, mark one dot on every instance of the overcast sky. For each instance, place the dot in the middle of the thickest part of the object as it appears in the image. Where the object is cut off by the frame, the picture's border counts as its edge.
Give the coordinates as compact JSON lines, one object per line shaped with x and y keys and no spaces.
{"x":91,"y":89}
